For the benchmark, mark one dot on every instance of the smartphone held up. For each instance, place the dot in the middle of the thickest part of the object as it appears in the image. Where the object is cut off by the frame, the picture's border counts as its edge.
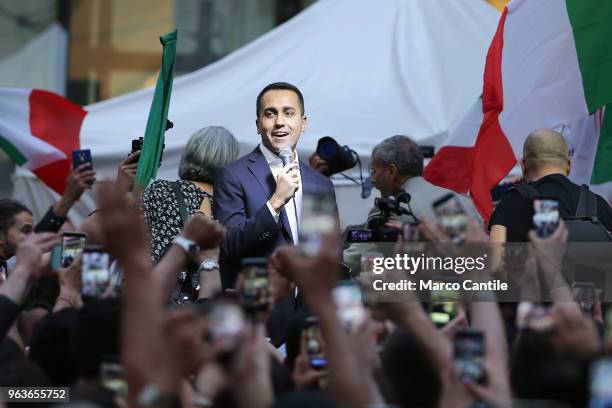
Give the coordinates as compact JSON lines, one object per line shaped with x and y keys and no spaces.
{"x":545,"y":216}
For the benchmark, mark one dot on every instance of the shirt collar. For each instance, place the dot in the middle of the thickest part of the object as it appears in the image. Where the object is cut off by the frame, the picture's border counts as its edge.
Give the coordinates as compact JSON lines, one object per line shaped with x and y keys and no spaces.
{"x":271,"y":157}
{"x":411,"y":182}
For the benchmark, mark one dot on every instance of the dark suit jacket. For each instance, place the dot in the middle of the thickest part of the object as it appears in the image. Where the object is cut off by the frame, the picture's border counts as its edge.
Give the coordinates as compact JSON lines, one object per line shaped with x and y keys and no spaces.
{"x":241,"y":191}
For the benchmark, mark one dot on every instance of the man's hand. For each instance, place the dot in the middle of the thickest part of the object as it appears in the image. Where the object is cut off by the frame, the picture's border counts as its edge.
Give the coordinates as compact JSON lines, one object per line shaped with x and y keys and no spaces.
{"x":204,"y":231}
{"x":249,"y":372}
{"x":184,"y":348}
{"x":304,"y":376}
{"x":77,"y":182}
{"x":573,"y":333}
{"x":70,"y":286}
{"x":316,"y":277}
{"x":126,"y":172}
{"x":280,"y":287}
{"x":287,"y":182}
{"x":70,"y":278}
{"x":320,"y":165}
{"x":549,"y":254}
{"x":30,"y":251}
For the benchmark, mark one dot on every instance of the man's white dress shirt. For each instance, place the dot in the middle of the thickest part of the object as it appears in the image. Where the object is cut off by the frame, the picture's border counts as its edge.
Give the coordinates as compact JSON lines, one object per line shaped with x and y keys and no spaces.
{"x":276,"y":164}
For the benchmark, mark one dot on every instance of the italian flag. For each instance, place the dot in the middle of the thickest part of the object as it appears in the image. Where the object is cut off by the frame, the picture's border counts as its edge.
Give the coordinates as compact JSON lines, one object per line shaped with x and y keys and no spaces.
{"x":549,"y":64}
{"x":40,"y":129}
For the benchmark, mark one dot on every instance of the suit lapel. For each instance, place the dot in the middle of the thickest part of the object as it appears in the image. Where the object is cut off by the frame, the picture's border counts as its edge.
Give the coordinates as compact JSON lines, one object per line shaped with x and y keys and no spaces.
{"x":309,"y":182}
{"x":259,"y":167}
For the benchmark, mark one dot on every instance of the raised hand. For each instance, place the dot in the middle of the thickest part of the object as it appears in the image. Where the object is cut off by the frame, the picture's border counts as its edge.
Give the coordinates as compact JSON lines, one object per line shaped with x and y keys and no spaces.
{"x":79,"y":180}
{"x":316,"y":276}
{"x":30,"y":251}
{"x":204,"y":231}
{"x":126,"y":172}
{"x":304,"y":376}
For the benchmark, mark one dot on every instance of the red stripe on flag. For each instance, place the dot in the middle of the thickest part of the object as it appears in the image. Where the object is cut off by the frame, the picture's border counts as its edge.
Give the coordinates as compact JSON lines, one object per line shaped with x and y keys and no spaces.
{"x":56,"y":121}
{"x":493,"y":155}
{"x":451,"y":168}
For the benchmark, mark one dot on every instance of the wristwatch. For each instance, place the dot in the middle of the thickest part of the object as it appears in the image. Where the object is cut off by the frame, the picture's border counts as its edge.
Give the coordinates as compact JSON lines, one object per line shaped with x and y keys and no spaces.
{"x":188,"y":246}
{"x":209,"y":265}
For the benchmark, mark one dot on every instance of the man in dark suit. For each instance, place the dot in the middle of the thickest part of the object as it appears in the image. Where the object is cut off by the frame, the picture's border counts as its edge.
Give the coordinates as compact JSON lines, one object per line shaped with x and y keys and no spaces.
{"x":257,"y":199}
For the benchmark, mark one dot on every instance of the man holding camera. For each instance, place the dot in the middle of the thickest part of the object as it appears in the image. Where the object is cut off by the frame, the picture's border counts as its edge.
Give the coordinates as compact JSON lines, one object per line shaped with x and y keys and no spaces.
{"x":396,"y":165}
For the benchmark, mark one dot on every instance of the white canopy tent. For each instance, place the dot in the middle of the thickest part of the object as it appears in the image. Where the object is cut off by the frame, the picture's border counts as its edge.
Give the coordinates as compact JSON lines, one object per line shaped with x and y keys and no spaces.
{"x":368,"y":70}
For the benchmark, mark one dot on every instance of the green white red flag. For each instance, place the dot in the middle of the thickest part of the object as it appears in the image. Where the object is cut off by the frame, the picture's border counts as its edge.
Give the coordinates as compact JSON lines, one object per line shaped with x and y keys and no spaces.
{"x":40,"y":129}
{"x":550,"y":63}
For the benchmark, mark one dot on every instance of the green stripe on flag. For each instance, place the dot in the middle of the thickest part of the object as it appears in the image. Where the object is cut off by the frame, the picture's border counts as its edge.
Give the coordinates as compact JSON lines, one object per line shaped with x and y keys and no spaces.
{"x":602,"y":169}
{"x":152,"y":147}
{"x":591,"y":22}
{"x":12,"y":151}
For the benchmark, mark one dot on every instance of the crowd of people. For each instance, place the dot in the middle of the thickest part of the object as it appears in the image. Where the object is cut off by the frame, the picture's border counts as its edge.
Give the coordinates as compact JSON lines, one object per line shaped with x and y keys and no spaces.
{"x":211,"y":300}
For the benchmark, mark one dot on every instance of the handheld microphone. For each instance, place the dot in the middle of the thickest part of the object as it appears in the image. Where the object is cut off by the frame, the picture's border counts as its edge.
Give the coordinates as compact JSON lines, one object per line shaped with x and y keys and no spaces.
{"x":286,"y":155}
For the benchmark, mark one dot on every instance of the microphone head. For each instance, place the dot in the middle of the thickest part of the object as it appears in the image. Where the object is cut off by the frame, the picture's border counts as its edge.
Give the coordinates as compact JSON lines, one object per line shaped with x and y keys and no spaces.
{"x":286,"y":155}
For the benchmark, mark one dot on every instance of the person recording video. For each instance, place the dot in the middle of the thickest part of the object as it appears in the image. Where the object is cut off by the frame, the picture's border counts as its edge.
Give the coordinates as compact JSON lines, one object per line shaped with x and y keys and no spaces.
{"x":397,"y":166}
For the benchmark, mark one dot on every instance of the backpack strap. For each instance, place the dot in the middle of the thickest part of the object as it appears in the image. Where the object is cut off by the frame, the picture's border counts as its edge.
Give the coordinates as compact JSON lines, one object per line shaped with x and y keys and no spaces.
{"x":587,"y":204}
{"x":178,"y":194}
{"x":526,"y":190}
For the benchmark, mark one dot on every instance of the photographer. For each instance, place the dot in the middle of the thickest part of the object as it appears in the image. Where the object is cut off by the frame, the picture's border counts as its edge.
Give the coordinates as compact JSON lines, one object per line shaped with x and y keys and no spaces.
{"x":397,"y":164}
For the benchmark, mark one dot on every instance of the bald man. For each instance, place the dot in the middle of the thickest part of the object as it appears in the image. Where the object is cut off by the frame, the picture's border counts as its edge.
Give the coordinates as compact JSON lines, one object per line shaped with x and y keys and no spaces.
{"x":545,"y":165}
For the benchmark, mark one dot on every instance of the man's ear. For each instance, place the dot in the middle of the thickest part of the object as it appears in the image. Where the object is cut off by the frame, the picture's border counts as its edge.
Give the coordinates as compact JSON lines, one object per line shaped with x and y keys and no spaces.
{"x":393,"y":171}
{"x":304,"y":123}
{"x":569,"y":167}
{"x":257,"y":126}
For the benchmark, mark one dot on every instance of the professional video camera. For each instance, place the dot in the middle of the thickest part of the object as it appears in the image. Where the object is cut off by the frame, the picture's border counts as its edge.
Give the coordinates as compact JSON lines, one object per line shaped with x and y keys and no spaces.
{"x":377,"y":231}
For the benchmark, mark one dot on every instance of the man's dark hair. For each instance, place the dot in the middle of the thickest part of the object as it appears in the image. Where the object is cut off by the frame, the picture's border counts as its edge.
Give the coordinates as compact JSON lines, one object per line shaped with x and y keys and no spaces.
{"x":280,"y":86}
{"x":403,"y":152}
{"x":539,"y":371}
{"x":97,"y":336}
{"x":409,"y":372}
{"x":8,"y":211}
{"x":51,"y":347}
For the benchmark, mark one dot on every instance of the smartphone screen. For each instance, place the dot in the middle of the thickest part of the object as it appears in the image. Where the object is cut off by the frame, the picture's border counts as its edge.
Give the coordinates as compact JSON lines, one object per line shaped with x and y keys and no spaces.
{"x":314,"y":344}
{"x":80,"y":157}
{"x":255,"y":292}
{"x":226,"y":323}
{"x":468,"y":354}
{"x":601,"y":378}
{"x":348,"y":299}
{"x":95,"y":272}
{"x":545,"y":216}
{"x":443,"y":304}
{"x":451,"y":215}
{"x":72,"y":246}
{"x":317,"y":220}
